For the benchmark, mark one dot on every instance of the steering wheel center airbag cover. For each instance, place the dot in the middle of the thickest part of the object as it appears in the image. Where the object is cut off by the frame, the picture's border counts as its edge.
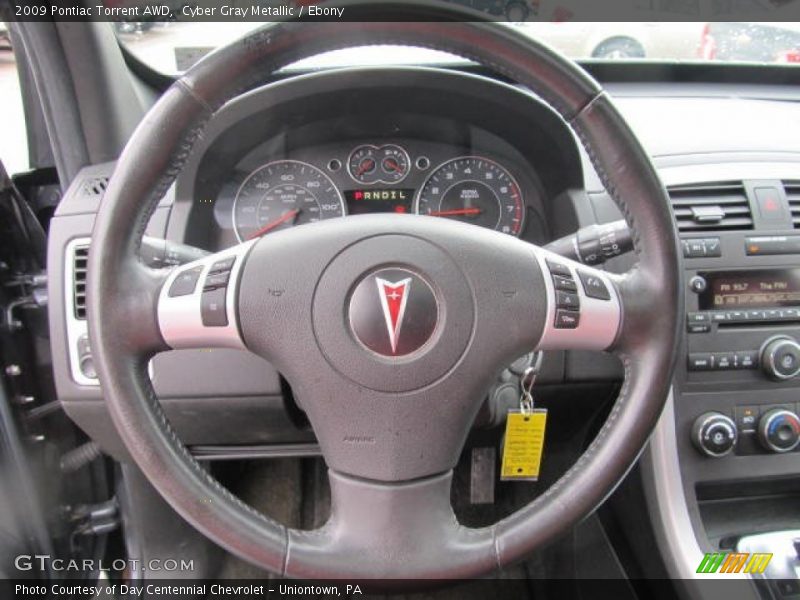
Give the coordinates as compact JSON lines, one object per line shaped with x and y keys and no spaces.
{"x":426,"y":297}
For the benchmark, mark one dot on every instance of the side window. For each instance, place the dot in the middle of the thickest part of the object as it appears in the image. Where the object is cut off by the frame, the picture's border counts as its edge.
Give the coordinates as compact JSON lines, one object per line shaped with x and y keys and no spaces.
{"x":13,"y":139}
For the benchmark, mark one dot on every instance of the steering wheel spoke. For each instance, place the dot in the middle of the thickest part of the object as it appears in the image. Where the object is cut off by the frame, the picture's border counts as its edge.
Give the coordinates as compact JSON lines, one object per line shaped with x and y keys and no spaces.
{"x":197,"y":301}
{"x":389,"y":530}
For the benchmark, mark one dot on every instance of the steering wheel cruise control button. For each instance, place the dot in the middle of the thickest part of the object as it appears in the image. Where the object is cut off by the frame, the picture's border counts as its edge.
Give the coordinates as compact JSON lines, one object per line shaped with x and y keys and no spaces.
{"x":185,"y":283}
{"x":593,"y":286}
{"x":216,"y":280}
{"x":213,"y":309}
{"x":558,"y":269}
{"x":223,"y":265}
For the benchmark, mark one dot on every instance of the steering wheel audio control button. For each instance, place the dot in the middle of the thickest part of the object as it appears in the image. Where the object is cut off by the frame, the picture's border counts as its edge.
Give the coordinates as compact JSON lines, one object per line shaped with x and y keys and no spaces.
{"x":565,"y":284}
{"x":213,"y":308}
{"x":567,"y":300}
{"x":593,"y":286}
{"x":567,"y":319}
{"x":185,"y":283}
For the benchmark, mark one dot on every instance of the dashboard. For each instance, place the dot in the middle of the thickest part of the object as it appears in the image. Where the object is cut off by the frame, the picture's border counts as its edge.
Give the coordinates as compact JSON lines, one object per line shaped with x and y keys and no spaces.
{"x":373,"y":146}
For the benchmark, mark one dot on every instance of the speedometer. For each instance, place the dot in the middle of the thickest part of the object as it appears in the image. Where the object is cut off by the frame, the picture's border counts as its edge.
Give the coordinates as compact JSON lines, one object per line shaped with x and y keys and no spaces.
{"x":282,"y":194}
{"x":474,"y":190}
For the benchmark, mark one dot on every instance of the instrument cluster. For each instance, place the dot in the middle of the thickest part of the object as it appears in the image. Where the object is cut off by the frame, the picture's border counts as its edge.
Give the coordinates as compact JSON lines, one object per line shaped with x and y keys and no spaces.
{"x":269,"y":193}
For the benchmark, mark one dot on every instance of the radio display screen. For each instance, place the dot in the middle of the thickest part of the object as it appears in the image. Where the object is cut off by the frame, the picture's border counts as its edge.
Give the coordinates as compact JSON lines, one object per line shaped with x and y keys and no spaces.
{"x":751,"y":289}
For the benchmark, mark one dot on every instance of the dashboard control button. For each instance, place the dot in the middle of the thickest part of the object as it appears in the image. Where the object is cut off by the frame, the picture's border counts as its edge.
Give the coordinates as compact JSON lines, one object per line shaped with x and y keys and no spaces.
{"x":567,"y":319}
{"x":772,"y":315}
{"x":701,"y":361}
{"x":216,"y":280}
{"x":790,"y":314}
{"x":185,"y":282}
{"x":724,"y":360}
{"x":747,"y":359}
{"x":86,"y":364}
{"x":770,"y":203}
{"x":756,"y":315}
{"x":695,"y":248}
{"x":698,"y":317}
{"x":747,"y":418}
{"x":212,"y":308}
{"x":698,"y":284}
{"x":779,"y":430}
{"x":719,"y":316}
{"x":780,"y":358}
{"x":698,"y":327}
{"x":225,"y":264}
{"x":593,"y":286}
{"x":565,"y":284}
{"x":557,"y":268}
{"x":713,"y":247}
{"x":714,"y":434}
{"x":567,"y":300}
{"x":737,"y":316}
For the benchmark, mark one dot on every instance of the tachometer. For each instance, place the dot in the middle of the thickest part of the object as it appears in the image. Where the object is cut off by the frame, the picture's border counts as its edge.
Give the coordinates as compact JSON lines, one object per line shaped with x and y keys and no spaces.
{"x":282,"y":194}
{"x":474,"y":190}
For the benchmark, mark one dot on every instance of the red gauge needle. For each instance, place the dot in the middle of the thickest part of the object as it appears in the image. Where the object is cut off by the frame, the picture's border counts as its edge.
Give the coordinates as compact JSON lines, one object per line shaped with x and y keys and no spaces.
{"x":365,"y":166}
{"x":455,"y":212}
{"x":287,"y":216}
{"x":391,"y":165}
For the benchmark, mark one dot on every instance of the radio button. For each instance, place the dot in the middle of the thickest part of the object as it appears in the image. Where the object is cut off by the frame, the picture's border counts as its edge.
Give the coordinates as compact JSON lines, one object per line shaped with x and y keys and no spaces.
{"x":701,"y":361}
{"x":756,"y":315}
{"x":698,"y":328}
{"x":724,"y":361}
{"x":773,"y":315}
{"x":737,"y":316}
{"x":747,"y":359}
{"x":697,"y":317}
{"x":719,"y":316}
{"x":790,"y":314}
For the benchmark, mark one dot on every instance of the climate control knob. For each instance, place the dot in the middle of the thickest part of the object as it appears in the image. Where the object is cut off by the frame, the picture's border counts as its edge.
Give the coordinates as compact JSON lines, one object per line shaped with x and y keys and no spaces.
{"x":779,"y":430}
{"x":780,"y":357}
{"x":714,"y":434}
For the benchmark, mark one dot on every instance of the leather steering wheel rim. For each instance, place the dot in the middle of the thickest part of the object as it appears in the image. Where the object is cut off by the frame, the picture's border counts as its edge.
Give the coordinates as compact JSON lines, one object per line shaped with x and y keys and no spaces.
{"x":124,"y":326}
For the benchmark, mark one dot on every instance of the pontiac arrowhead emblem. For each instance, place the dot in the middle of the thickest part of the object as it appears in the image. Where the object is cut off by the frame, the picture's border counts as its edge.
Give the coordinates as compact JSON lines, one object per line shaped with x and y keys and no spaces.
{"x":394,"y":297}
{"x":400,"y":318}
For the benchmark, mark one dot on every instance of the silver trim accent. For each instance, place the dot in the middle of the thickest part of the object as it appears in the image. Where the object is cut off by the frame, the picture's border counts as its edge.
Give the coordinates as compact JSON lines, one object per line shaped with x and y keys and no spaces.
{"x":179,"y":318}
{"x":600,"y":320}
{"x":76,"y":328}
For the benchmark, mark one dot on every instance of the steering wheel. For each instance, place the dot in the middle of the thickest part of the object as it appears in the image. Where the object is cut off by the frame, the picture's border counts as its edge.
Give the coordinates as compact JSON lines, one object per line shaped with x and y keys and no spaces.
{"x":390,"y":329}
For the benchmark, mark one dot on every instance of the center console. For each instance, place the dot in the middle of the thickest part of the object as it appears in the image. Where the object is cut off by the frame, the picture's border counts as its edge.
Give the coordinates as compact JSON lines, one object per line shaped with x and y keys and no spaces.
{"x":736,"y":392}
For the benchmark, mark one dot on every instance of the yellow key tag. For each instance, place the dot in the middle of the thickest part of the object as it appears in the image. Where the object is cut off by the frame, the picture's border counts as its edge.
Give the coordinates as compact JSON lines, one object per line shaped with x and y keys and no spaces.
{"x":524,"y":443}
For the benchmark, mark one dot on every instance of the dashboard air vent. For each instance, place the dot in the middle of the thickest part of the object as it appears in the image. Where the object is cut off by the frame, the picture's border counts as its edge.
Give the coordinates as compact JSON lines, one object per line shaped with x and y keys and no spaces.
{"x":79,"y":263}
{"x":793,"y":196}
{"x":711,"y":207}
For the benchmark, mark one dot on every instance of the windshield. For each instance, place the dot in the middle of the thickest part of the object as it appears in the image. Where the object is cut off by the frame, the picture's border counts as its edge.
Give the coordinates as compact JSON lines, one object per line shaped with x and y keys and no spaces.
{"x":173,"y":47}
